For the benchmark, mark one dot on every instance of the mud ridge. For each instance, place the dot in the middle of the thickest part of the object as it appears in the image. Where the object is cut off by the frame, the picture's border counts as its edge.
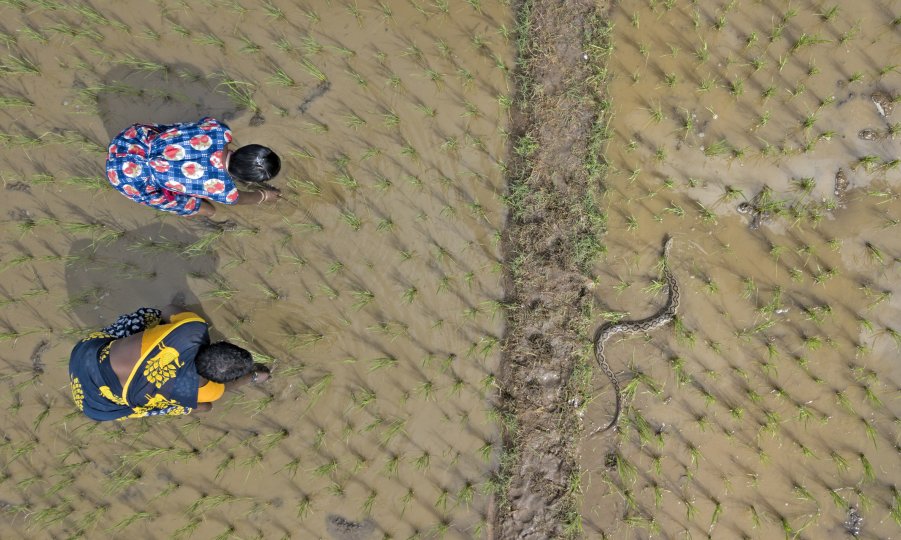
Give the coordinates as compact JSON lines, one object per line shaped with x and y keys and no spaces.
{"x":548,"y":185}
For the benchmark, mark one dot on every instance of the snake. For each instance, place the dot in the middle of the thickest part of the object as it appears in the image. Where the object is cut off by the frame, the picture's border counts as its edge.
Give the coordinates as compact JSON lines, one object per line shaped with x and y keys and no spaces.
{"x":666,"y":314}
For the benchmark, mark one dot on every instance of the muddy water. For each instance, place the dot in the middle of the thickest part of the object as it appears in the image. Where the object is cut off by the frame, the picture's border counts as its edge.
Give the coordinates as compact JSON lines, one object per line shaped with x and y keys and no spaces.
{"x":390,"y":180}
{"x":755,"y":419}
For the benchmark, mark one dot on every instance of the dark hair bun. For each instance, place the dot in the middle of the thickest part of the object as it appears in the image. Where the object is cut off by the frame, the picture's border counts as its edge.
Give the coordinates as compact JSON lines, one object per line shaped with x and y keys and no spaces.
{"x":223,"y":362}
{"x":254,"y":163}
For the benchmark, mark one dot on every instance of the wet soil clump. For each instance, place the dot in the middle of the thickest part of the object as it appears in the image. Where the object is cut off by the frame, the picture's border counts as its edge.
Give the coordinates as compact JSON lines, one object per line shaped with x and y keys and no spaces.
{"x":340,"y":528}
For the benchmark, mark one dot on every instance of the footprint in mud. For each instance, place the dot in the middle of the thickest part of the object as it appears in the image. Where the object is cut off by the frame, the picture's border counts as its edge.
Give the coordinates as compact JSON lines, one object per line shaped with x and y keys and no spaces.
{"x":884,"y":103}
{"x":37,"y":364}
{"x":317,"y":92}
{"x":869,"y":135}
{"x":257,"y":120}
{"x":854,"y":523}
{"x":343,"y":529}
{"x":18,"y":186}
{"x":841,"y":183}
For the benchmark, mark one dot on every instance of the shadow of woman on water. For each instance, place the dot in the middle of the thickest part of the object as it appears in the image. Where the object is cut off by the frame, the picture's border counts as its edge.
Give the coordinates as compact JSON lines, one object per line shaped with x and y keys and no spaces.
{"x":181,"y":93}
{"x":143,"y":267}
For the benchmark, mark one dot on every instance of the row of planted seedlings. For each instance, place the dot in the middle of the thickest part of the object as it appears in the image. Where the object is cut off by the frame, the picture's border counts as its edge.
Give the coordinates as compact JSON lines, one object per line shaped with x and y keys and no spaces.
{"x":250,"y":449}
{"x":439,"y":64}
{"x":427,"y":388}
{"x":660,"y":200}
{"x":484,"y":344}
{"x":444,"y":198}
{"x":726,"y":70}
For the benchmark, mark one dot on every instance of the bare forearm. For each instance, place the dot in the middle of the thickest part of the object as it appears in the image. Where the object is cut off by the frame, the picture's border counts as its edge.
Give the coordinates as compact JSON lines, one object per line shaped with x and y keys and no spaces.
{"x":260,"y":373}
{"x":203,"y":407}
{"x":250,"y":197}
{"x":238,"y":383}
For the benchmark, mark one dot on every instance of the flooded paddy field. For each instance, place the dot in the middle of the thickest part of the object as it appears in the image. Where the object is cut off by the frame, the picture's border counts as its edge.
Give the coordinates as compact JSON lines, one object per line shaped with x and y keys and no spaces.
{"x":763,"y":137}
{"x":373,"y":289}
{"x":760,"y":136}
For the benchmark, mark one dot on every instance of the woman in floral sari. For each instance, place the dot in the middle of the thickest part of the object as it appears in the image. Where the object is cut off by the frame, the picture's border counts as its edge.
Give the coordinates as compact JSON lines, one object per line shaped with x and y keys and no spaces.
{"x":155,"y":362}
{"x":182,"y":168}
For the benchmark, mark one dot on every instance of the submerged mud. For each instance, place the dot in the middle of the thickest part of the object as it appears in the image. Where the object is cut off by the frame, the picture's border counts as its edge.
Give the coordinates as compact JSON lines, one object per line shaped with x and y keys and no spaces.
{"x":759,"y":136}
{"x":373,"y":288}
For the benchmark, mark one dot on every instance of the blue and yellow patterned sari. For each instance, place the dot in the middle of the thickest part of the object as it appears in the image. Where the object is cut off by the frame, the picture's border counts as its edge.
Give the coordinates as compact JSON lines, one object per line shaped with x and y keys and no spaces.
{"x":163,"y":382}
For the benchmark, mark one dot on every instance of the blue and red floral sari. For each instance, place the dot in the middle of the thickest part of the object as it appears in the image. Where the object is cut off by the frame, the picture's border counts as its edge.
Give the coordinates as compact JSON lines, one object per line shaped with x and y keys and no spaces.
{"x":172,"y":167}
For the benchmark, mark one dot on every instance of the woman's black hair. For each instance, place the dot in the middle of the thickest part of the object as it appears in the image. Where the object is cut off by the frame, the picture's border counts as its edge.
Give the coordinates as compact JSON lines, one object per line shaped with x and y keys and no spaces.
{"x":254,"y":163}
{"x":223,"y":362}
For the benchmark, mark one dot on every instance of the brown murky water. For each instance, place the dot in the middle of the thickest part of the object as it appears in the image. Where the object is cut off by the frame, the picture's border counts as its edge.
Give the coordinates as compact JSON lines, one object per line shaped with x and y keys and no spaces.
{"x":773,"y":411}
{"x":370,"y":288}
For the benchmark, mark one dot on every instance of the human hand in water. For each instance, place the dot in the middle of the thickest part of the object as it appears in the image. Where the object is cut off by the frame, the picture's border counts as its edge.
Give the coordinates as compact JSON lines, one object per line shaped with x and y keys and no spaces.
{"x":260,"y":373}
{"x":270,"y":195}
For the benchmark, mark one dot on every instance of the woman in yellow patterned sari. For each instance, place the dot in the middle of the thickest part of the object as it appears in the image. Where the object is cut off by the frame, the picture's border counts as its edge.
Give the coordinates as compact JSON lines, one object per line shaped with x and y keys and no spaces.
{"x":154,"y":362}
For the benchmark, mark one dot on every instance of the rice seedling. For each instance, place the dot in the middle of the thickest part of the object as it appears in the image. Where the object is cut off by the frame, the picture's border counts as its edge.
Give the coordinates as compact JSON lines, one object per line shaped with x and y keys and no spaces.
{"x":352,"y":120}
{"x":124,"y":523}
{"x":211,"y":40}
{"x":869,"y":475}
{"x":119,"y":481}
{"x":391,"y":466}
{"x":655,"y":111}
{"x":11,"y":102}
{"x":844,"y":402}
{"x":240,"y":92}
{"x":718,"y":148}
{"x":427,"y":111}
{"x":281,"y":78}
{"x":346,"y":180}
{"x":871,"y":432}
{"x":362,"y":298}
{"x":318,"y":389}
{"x":139,"y":64}
{"x":690,"y":509}
{"x":272,"y":440}
{"x":248,"y":46}
{"x":351,"y":219}
{"x":7,"y":40}
{"x":803,"y":493}
{"x":18,"y":65}
{"x":409,"y":151}
{"x":866,"y":503}
{"x":382,"y":362}
{"x":313,"y":71}
{"x":393,"y":429}
{"x":326,"y":469}
{"x":895,"y":505}
{"x":46,"y":517}
{"x":838,"y":500}
{"x":707,"y":84}
{"x":223,"y":290}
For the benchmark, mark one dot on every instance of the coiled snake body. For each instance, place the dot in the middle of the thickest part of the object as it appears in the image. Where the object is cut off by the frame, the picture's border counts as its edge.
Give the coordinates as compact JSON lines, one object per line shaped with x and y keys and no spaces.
{"x":662,"y":317}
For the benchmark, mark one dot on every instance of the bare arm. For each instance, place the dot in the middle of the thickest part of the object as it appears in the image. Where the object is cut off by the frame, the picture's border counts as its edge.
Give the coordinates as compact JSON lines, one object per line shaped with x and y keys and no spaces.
{"x":266,"y":194}
{"x":261,"y":372}
{"x":206,"y":209}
